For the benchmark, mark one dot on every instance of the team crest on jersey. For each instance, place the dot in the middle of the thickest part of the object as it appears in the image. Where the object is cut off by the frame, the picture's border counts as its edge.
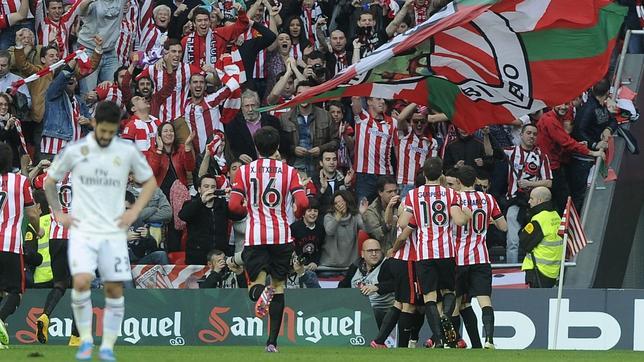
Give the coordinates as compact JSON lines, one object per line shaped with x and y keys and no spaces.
{"x":117,"y":161}
{"x":84,"y":150}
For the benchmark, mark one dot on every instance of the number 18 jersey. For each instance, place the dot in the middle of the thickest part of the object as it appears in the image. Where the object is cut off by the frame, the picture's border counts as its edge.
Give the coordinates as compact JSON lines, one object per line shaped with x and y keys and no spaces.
{"x":269,"y":187}
{"x":430,"y":206}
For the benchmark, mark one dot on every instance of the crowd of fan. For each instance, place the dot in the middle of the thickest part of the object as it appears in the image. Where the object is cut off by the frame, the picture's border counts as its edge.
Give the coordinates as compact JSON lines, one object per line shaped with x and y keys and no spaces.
{"x":190,"y":80}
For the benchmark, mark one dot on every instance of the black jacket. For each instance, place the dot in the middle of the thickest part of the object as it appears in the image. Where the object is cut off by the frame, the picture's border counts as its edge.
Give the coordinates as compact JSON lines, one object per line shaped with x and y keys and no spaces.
{"x":591,"y":120}
{"x":207,"y":228}
{"x":468,"y":149}
{"x":240,"y":140}
{"x":251,"y":48}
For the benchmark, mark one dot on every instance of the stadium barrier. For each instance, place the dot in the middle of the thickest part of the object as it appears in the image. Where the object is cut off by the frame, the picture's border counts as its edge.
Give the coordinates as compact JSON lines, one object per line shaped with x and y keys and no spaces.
{"x":591,"y":319}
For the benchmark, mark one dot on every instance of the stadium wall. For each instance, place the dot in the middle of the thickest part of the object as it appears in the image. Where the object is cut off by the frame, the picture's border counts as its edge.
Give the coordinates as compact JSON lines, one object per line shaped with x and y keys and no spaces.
{"x":591,"y":319}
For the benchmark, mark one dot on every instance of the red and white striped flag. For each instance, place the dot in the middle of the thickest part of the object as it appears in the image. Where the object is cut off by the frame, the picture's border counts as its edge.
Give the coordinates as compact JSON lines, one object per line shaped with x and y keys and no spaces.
{"x":82,"y":60}
{"x":21,"y":135}
{"x":571,"y":224}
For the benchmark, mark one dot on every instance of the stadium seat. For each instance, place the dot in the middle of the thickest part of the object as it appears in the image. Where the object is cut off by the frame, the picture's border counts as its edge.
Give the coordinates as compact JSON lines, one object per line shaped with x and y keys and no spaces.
{"x":362,"y":236}
{"x":177,"y":257}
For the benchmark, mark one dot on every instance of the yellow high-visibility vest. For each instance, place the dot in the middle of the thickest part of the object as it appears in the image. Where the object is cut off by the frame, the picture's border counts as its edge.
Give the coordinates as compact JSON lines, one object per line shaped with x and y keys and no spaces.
{"x":548,"y":253}
{"x":43,"y":273}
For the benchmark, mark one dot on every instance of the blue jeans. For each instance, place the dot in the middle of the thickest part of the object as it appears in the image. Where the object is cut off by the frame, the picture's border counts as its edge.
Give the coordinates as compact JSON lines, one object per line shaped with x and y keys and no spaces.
{"x":8,"y":36}
{"x":310,"y":279}
{"x":158,"y":257}
{"x":366,"y":187}
{"x":105,"y":71}
{"x":577,"y":174}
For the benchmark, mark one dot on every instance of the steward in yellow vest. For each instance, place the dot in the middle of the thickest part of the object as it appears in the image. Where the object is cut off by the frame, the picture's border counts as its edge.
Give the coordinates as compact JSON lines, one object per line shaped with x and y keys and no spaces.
{"x":43,"y":273}
{"x":541,"y":241}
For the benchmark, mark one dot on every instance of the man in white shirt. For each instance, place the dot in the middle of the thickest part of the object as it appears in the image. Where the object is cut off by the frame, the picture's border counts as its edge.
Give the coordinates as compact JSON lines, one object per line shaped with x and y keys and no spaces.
{"x":100,"y":164}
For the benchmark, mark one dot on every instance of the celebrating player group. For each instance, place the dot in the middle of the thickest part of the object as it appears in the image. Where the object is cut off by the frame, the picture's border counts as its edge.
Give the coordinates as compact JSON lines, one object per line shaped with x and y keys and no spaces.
{"x":441,"y":260}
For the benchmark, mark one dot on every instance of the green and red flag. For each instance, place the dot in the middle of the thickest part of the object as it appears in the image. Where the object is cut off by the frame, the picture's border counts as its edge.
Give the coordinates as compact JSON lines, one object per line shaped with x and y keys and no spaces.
{"x":487,"y":61}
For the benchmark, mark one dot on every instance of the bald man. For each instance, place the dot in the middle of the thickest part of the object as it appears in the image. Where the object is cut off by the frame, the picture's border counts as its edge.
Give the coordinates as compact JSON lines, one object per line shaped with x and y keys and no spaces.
{"x":541,"y":241}
{"x":365,"y":274}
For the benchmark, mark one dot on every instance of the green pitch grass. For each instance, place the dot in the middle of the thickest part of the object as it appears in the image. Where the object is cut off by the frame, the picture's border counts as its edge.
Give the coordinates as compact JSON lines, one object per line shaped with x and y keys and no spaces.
{"x":250,"y":354}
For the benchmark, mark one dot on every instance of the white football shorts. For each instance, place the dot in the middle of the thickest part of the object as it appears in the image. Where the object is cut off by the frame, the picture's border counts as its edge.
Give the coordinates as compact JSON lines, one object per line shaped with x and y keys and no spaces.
{"x":107,"y":253}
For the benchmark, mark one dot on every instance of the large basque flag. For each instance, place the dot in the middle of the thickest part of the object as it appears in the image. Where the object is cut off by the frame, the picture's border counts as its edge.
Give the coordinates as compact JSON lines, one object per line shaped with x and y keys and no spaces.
{"x":488,"y":61}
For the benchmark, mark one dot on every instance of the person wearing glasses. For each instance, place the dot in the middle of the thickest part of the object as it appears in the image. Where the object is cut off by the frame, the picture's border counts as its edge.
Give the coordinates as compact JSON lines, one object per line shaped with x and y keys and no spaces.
{"x":365,"y":274}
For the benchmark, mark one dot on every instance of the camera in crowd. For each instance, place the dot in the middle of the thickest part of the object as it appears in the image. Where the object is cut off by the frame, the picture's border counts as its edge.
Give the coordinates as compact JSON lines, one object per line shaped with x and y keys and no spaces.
{"x":319,"y":70}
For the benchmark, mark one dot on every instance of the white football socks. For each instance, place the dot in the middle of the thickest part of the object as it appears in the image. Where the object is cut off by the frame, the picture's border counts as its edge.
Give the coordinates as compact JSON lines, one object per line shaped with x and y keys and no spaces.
{"x":82,"y":308}
{"x":112,"y":319}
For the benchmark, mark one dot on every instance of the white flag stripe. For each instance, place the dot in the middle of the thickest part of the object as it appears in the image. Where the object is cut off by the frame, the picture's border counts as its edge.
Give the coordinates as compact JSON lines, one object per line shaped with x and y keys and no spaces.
{"x":440,"y":49}
{"x":471,"y":38}
{"x":527,"y":15}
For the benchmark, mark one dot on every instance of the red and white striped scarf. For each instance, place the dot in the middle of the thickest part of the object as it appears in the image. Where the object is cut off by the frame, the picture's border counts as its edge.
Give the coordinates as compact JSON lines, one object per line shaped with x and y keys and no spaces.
{"x":81,"y":59}
{"x":21,"y":135}
{"x":420,"y":13}
{"x":210,"y":56}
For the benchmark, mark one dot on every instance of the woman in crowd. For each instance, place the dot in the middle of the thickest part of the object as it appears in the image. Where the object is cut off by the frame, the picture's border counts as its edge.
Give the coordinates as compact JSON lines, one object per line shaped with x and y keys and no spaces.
{"x":171,"y":161}
{"x":341,"y":224}
{"x":8,"y":132}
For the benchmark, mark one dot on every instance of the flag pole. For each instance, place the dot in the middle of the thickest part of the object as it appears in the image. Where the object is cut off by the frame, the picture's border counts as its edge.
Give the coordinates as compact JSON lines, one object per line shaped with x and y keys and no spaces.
{"x":567,"y":212}
{"x":560,"y":288}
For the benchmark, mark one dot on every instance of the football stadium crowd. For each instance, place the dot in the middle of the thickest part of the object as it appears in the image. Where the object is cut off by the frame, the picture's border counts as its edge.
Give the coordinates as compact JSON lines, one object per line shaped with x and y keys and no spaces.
{"x":190,"y":79}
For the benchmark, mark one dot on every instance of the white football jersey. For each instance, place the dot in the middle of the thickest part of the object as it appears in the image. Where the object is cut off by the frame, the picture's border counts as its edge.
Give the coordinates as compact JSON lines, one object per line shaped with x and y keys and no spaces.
{"x":99,"y":176}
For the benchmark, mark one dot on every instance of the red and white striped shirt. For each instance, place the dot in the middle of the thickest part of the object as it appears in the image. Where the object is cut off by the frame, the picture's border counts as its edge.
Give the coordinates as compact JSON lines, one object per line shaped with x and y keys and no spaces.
{"x":259,"y":68}
{"x":129,"y":33}
{"x":46,"y":26}
{"x":174,"y":105}
{"x":430,"y":206}
{"x":269,"y":187}
{"x":412,"y":152}
{"x":526,"y":165}
{"x":151,"y":39}
{"x":112,"y":94}
{"x":142,"y":132}
{"x":15,"y":195}
{"x":471,"y":247}
{"x":373,"y":143}
{"x":407,"y":252}
{"x":64,"y":189}
{"x":52,"y":145}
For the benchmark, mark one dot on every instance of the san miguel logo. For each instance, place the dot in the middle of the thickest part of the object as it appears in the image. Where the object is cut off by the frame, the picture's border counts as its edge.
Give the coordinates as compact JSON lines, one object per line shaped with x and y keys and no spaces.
{"x":132,"y":330}
{"x":294,"y":325}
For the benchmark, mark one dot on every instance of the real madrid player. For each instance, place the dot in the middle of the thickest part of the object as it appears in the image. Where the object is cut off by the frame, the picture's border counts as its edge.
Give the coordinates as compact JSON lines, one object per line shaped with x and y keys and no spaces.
{"x":100,"y":164}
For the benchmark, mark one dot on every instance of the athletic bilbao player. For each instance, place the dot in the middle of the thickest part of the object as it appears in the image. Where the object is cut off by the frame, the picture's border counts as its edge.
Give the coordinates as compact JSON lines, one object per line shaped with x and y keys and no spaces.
{"x":265,"y":189}
{"x":432,"y":209}
{"x":15,"y":202}
{"x":473,"y":268}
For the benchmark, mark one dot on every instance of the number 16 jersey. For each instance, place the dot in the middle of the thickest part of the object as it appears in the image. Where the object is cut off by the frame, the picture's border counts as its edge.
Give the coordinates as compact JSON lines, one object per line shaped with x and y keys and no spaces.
{"x":269,"y":187}
{"x":430,"y":206}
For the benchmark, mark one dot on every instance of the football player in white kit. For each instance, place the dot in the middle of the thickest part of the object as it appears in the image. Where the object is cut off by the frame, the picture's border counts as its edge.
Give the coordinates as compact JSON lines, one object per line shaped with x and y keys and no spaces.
{"x":100,"y":164}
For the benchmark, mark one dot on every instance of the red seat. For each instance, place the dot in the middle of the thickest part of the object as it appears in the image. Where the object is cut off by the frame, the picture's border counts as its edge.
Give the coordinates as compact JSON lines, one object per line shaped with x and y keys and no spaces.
{"x":362,"y":236}
{"x":177,"y":257}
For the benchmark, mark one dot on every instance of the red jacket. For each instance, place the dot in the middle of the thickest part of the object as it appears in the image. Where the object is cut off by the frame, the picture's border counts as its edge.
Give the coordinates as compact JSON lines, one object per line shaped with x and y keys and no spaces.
{"x":182,"y":160}
{"x":553,"y":140}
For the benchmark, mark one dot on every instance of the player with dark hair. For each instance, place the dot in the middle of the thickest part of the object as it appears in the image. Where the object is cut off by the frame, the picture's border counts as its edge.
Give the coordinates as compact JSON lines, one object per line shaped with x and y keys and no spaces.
{"x":265,"y":190}
{"x":15,"y":201}
{"x":99,"y":164}
{"x":473,"y":270}
{"x":432,"y":209}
